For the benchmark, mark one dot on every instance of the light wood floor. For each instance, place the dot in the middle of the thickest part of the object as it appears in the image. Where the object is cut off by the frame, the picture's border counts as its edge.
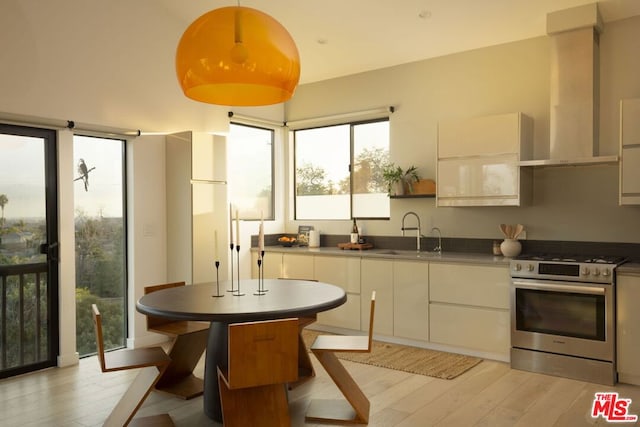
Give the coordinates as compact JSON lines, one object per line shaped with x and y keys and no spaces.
{"x":490,"y":394}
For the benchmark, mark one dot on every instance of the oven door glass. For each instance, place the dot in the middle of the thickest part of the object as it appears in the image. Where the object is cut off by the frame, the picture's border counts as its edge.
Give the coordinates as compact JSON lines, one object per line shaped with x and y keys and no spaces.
{"x":561,"y":313}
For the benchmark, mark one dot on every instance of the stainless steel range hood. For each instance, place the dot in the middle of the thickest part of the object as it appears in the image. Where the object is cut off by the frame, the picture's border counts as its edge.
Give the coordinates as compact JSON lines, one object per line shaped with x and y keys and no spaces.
{"x":574,"y":100}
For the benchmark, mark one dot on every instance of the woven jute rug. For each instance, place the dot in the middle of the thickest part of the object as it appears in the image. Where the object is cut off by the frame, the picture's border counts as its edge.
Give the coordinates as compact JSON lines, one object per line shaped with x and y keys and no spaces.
{"x":415,"y":360}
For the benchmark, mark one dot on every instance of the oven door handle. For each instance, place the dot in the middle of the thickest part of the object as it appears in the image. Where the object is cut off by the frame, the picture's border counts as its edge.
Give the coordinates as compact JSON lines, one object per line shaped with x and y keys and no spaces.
{"x":558,"y":286}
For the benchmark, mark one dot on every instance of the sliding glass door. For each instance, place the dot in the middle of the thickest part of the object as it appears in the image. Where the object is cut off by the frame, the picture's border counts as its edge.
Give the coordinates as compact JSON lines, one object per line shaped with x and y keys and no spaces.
{"x":28,"y":250}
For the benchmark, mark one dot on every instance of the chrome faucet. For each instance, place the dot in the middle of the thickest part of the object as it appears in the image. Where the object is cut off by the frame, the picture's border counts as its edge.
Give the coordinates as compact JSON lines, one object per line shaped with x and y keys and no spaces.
{"x":439,"y":247}
{"x":417,"y":229}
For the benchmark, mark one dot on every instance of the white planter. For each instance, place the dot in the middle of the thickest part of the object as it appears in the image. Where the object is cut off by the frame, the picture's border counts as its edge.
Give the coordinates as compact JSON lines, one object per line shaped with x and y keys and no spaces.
{"x":510,"y":247}
{"x":399,"y":188}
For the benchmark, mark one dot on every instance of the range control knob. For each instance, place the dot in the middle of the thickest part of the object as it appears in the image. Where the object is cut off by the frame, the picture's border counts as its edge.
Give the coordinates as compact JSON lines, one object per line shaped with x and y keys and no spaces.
{"x":596,"y":272}
{"x":517,"y":267}
{"x":530,"y":267}
{"x":585,"y":271}
{"x":606,"y":272}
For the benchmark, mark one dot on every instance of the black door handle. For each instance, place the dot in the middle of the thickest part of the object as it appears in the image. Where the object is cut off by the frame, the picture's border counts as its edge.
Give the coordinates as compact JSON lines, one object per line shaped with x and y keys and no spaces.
{"x":50,"y":250}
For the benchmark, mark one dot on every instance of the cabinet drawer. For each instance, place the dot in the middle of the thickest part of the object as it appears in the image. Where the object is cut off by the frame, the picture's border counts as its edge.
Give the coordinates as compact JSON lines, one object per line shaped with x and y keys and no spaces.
{"x":474,"y":285}
{"x":474,"y":328}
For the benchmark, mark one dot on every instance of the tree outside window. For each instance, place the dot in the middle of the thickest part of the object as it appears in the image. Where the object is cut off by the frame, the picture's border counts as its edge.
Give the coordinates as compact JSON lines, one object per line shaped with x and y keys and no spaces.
{"x":333,"y":183}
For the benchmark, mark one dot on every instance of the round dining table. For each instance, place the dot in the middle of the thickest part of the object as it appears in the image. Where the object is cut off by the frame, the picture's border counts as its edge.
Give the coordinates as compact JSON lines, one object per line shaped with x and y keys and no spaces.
{"x":282,"y":298}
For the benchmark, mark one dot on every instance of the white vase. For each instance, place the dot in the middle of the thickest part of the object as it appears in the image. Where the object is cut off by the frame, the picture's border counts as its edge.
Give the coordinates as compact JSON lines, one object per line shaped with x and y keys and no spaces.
{"x":510,"y":247}
{"x":399,"y":188}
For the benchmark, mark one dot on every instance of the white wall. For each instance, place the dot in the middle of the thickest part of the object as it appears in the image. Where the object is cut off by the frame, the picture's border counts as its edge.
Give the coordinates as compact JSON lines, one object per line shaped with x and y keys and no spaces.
{"x":66,"y":236}
{"x":146,"y":227}
{"x":570,"y":203}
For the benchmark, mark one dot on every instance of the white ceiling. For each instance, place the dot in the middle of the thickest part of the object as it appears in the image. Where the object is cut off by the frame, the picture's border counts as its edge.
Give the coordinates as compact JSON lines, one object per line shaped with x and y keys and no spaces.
{"x":342,"y":37}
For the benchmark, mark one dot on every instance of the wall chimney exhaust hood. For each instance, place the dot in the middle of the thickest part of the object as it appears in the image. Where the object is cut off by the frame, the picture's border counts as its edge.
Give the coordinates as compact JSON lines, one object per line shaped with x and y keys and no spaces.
{"x":574,"y":100}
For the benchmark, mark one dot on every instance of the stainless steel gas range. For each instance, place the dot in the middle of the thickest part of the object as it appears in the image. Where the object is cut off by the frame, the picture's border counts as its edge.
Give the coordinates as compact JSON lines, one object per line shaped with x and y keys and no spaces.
{"x":563,"y":316}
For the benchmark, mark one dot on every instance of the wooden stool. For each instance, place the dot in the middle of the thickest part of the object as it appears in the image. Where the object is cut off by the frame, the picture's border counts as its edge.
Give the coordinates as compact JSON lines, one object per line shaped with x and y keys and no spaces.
{"x":151,"y":362}
{"x":356,"y":408}
{"x":188,"y":345}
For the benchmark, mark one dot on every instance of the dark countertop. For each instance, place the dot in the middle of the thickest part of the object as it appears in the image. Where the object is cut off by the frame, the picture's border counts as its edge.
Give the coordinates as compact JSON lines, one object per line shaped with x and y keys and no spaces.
{"x":392,"y":254}
{"x":629,"y":268}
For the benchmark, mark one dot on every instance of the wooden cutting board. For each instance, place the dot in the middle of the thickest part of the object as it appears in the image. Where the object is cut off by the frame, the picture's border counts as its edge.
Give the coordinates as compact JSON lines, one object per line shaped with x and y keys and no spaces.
{"x":355,"y":246}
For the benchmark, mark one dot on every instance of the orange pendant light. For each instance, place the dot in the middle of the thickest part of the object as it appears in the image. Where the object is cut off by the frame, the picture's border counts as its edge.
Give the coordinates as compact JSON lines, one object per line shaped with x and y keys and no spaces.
{"x":237,"y":56}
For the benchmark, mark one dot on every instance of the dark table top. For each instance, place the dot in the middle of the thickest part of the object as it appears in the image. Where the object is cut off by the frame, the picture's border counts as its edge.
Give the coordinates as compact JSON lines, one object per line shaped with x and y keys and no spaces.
{"x":285,"y":298}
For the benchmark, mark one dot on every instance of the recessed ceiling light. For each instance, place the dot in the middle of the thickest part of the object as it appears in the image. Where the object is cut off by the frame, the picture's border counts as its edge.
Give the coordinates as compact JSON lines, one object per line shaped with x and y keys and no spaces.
{"x":424,"y":14}
{"x":322,"y":40}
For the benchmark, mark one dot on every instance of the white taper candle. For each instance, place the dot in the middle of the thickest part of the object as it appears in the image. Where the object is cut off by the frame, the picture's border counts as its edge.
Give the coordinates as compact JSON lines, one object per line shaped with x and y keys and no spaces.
{"x":230,"y":224}
{"x":216,"y":248}
{"x":237,"y":229}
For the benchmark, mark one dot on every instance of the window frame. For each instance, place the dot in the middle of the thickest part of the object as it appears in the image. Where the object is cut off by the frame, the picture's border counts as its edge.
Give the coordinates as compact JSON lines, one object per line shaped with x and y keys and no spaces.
{"x":125,"y":248}
{"x":352,"y":125}
{"x":270,"y":216}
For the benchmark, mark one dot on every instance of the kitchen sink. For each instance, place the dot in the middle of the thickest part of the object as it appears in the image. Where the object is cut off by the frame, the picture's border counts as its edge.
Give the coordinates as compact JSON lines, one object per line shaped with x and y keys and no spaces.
{"x":408,"y":253}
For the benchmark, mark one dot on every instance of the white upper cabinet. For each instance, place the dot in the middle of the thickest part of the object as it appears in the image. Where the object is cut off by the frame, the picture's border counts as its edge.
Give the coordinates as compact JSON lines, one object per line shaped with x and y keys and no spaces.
{"x":630,"y":152}
{"x":488,"y":135}
{"x":479,"y":161}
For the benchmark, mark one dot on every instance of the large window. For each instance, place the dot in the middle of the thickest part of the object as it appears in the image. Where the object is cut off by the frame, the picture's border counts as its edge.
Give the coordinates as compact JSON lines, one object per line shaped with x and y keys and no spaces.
{"x":339,"y":171}
{"x":250,"y":170}
{"x":100,"y":231}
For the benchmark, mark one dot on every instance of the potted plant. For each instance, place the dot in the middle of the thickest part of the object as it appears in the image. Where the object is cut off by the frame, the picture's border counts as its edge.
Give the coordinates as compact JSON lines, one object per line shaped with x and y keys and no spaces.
{"x":392,"y":176}
{"x":396,"y":179}
{"x":409,"y":177}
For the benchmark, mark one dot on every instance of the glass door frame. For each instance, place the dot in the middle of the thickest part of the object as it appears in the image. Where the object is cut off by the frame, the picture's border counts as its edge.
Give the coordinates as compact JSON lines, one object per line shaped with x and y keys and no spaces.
{"x":50,"y":247}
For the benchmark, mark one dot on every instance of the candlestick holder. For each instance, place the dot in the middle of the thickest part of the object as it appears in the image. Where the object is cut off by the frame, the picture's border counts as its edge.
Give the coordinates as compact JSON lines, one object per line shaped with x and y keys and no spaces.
{"x":217,"y":294}
{"x":260,"y":290}
{"x":231,"y":259}
{"x":262,"y":278}
{"x":237,"y":291}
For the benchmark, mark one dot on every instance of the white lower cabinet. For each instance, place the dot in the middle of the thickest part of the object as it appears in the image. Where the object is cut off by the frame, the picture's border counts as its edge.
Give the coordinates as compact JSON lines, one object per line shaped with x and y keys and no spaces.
{"x":628,"y":334}
{"x":402,"y":298}
{"x":297,"y":266}
{"x":469,"y":307}
{"x":377,"y":275}
{"x":453,"y":304}
{"x":411,"y":300}
{"x":344,"y":272}
{"x":272,"y":267}
{"x":474,"y":328}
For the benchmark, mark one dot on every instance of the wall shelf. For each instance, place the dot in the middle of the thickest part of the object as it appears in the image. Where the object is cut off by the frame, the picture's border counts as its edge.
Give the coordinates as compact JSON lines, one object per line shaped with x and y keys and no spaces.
{"x":413,"y":196}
